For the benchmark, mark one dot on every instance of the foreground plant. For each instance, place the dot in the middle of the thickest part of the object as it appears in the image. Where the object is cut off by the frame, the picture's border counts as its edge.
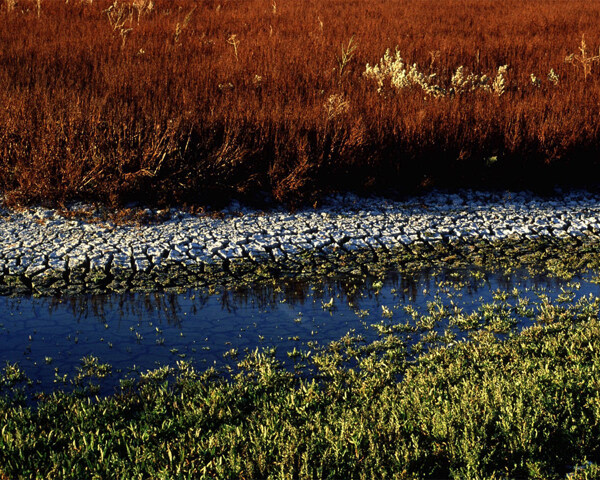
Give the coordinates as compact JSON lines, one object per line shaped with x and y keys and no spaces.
{"x":526,"y":407}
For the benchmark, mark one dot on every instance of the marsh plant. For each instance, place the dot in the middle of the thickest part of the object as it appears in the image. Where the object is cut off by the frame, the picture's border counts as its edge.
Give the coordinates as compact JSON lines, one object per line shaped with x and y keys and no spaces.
{"x":235,"y":43}
{"x":462,"y":83}
{"x":393,"y":70}
{"x":336,"y":105}
{"x":143,"y":7}
{"x":114,"y":85}
{"x":347,"y":53}
{"x":180,"y":27}
{"x":583,"y":58}
{"x":120,"y":17}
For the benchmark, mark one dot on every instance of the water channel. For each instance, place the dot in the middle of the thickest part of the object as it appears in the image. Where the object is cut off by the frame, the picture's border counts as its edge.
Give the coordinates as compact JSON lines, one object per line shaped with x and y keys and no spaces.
{"x":48,"y":337}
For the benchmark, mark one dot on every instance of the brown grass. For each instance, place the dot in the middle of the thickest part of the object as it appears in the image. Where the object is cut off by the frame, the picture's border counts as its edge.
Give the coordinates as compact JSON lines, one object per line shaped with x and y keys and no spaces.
{"x":198,"y":101}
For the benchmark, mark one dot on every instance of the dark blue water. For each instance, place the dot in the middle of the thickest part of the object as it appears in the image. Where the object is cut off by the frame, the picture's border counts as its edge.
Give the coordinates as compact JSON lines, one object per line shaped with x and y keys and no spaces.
{"x":135,"y":331}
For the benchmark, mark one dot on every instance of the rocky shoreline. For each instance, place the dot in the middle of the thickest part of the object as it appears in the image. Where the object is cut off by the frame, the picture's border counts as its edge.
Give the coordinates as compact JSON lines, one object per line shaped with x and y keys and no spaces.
{"x":44,"y":252}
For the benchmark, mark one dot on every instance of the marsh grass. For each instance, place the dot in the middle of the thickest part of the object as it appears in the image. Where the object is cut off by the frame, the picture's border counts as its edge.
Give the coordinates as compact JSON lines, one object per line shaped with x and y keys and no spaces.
{"x":525,"y":406}
{"x":109,"y":100}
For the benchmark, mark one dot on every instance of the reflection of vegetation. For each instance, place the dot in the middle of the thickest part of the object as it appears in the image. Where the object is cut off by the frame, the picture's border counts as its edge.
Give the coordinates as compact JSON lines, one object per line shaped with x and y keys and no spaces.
{"x":526,"y":405}
{"x":404,"y":272}
{"x":166,"y":305}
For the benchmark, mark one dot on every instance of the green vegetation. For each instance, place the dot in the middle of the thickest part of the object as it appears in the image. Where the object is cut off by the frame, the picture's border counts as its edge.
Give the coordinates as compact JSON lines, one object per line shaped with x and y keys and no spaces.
{"x":524,"y":405}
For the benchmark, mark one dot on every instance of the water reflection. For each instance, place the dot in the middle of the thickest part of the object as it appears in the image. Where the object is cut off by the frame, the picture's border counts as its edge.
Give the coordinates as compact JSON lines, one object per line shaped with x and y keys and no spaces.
{"x":50,"y":335}
{"x":169,"y":305}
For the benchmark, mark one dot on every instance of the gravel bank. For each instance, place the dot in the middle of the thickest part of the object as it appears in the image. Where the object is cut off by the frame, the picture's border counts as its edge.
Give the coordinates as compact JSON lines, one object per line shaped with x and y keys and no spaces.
{"x":45,"y":253}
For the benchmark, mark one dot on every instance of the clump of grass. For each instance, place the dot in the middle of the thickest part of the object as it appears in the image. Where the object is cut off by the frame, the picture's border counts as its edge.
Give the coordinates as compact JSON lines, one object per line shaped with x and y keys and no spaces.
{"x":400,"y":75}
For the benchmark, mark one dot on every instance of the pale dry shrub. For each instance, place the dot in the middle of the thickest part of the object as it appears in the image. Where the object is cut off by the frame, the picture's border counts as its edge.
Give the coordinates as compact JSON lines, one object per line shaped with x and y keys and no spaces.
{"x":534,"y":80}
{"x":462,"y":83}
{"x":120,"y":17}
{"x":499,"y":84}
{"x":400,"y":76}
{"x":336,"y":105}
{"x":119,"y":14}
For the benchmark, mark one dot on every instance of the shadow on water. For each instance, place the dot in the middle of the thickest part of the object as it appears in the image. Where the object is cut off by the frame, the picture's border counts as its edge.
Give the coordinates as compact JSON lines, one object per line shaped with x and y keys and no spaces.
{"x":49,"y":336}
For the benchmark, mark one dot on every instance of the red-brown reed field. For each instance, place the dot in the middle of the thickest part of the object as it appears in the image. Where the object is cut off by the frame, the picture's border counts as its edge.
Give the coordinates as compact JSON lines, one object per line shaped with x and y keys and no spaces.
{"x":198,"y":101}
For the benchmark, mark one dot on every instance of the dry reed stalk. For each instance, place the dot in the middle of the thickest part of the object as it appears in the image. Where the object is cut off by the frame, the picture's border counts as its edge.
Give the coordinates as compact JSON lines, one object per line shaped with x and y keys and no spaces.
{"x":181,"y":26}
{"x":234,"y":42}
{"x":346,"y":55}
{"x":143,"y":7}
{"x":585,"y":60}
